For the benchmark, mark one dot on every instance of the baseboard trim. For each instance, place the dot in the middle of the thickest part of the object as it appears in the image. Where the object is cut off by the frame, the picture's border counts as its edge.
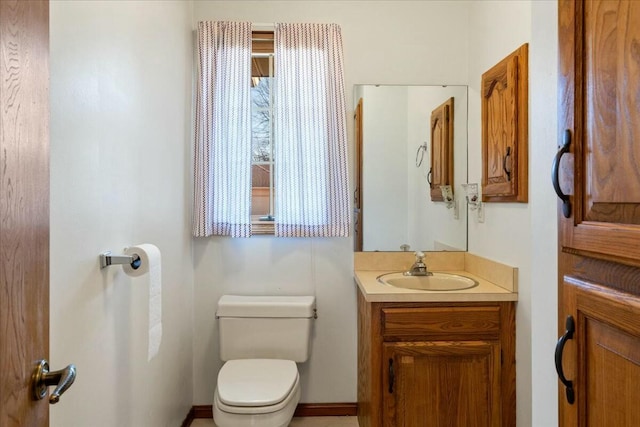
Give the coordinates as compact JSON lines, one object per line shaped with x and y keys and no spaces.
{"x":326,"y":409}
{"x":189,"y":418}
{"x":202,"y":411}
{"x":303,"y":410}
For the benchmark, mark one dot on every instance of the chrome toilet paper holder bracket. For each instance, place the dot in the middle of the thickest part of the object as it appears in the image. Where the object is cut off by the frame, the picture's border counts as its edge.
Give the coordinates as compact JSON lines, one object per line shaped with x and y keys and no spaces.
{"x":106,"y":259}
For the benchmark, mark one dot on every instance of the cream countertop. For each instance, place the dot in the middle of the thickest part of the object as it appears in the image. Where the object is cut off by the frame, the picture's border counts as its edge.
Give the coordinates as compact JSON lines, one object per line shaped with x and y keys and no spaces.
{"x":374,"y":291}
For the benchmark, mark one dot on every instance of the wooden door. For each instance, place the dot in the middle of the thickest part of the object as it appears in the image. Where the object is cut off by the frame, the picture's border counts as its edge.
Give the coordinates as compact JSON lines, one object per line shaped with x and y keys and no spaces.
{"x":24,"y":207}
{"x":441,"y":171}
{"x":442,"y":384}
{"x":597,"y":174}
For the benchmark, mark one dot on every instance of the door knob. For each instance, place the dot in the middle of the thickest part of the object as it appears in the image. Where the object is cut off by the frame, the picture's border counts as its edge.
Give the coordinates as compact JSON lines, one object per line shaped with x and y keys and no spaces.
{"x":42,"y":378}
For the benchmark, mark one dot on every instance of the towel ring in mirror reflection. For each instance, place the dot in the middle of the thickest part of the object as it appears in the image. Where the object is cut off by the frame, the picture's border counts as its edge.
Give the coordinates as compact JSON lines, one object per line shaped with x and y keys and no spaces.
{"x":420,"y":154}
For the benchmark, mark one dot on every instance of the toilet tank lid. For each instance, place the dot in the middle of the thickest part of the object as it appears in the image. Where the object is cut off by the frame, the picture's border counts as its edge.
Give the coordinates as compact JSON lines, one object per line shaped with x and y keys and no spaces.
{"x":266,"y":306}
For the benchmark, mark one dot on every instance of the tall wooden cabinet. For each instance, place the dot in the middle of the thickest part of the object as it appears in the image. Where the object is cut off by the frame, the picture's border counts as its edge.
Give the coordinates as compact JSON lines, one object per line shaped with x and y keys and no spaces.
{"x":597,"y":175}
{"x":436,"y":364}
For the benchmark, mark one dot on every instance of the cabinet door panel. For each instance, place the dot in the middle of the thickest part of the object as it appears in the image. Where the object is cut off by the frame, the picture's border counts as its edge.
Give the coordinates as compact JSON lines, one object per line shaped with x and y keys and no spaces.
{"x":504,"y":129}
{"x":604,"y":359}
{"x":441,"y":148}
{"x":612,"y":381}
{"x":442,"y":384}
{"x":600,"y":94}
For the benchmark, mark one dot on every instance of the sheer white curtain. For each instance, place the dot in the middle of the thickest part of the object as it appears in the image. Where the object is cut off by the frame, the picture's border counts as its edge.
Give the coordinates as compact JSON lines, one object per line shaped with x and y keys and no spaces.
{"x":311,"y":178}
{"x":222,"y":194}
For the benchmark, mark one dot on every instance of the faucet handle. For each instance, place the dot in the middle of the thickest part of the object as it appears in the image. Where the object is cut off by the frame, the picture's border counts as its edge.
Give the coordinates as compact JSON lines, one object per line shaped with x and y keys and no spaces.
{"x":419,"y":255}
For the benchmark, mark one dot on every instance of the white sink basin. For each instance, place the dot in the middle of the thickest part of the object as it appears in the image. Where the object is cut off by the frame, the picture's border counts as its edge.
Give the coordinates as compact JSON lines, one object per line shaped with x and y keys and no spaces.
{"x":435,"y":282}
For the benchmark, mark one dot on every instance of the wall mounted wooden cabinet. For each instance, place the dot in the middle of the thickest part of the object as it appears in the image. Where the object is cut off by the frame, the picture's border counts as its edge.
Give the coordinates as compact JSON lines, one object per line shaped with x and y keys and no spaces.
{"x":505,"y":129}
{"x":436,"y":364}
{"x":441,"y":171}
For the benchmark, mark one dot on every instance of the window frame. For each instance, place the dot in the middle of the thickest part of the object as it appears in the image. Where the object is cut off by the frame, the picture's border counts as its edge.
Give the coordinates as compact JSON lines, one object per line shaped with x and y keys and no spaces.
{"x":263,"y":46}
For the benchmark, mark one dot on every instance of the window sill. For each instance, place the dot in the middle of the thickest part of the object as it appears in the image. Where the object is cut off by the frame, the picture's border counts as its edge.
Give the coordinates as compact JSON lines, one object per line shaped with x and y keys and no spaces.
{"x":262,"y":228}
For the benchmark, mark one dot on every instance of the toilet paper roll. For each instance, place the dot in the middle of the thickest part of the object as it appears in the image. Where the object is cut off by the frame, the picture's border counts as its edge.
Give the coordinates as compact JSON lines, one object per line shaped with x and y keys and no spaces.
{"x":150,"y":264}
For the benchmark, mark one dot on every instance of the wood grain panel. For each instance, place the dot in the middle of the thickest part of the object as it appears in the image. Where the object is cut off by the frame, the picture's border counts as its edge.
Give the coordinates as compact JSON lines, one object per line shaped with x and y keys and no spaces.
{"x":508,"y":372}
{"x":441,"y":323}
{"x":599,"y":66}
{"x":442,"y":343}
{"x":603,"y":359}
{"x":599,"y":246}
{"x":369,"y":360}
{"x":442,"y":123}
{"x":611,"y":393}
{"x":443,"y":384}
{"x":612,"y":66}
{"x":505,"y":106}
{"x":24,"y":207}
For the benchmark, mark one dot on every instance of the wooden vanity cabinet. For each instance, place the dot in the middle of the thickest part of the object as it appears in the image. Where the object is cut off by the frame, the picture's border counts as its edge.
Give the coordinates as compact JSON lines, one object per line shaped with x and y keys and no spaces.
{"x":436,"y":364}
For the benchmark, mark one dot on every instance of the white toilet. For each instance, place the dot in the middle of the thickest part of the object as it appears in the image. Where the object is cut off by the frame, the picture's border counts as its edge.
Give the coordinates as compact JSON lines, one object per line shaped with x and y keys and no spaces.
{"x":261,"y":339}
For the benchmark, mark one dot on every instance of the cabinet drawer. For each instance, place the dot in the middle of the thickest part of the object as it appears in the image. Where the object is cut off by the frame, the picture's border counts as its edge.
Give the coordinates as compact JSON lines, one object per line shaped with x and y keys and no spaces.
{"x":441,"y":322}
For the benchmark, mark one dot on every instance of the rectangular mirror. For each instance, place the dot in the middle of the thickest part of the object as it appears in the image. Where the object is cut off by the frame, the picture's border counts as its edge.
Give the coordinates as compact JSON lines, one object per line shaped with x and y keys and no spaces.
{"x":398,"y":166}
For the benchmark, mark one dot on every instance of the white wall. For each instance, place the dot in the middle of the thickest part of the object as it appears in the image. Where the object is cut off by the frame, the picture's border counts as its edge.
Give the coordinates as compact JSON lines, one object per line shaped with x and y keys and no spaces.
{"x":386,"y":42}
{"x":120,"y":175}
{"x":384,"y":113}
{"x":497,"y":29}
{"x":120,"y":149}
{"x":522,"y":235}
{"x":433,"y":222}
{"x":543,"y":141}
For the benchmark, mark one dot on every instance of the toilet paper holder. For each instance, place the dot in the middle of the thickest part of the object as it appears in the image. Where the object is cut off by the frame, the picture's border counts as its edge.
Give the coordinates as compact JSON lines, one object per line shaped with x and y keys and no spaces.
{"x":106,"y":259}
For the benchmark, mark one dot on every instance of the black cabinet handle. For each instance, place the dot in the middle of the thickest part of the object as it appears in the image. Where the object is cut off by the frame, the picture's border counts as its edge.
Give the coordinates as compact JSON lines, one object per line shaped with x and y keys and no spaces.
{"x":555,"y":171}
{"x":391,"y":376}
{"x":504,"y":164}
{"x":568,"y":334}
{"x":429,"y":175}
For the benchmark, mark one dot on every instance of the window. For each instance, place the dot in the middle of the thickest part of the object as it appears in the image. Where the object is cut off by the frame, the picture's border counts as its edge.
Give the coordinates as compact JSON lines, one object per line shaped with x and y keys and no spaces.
{"x":270,"y":132}
{"x":262,"y":142}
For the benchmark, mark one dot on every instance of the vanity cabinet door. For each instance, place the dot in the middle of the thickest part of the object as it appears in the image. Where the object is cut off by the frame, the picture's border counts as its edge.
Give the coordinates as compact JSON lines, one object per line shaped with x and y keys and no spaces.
{"x":442,"y":383}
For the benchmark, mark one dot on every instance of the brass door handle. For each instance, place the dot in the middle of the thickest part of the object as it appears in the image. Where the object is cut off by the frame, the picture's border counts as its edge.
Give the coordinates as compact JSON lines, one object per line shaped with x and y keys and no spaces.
{"x":42,"y":379}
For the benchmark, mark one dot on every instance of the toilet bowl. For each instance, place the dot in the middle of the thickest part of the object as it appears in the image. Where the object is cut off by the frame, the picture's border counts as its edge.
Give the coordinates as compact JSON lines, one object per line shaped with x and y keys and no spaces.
{"x":261,"y":339}
{"x":256,"y":392}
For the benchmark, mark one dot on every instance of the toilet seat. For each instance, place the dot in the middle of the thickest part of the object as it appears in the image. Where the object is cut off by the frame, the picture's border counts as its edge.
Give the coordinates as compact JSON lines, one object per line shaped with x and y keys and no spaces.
{"x":256,"y":383}
{"x":290,"y":400}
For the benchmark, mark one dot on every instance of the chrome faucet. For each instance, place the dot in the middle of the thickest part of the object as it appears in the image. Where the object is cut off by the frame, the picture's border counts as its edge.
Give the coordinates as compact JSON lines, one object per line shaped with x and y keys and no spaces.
{"x":419,"y":268}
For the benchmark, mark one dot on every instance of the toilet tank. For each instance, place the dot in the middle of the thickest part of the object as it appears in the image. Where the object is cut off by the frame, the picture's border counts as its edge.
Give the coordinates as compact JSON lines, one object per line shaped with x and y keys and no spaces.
{"x":265,"y":327}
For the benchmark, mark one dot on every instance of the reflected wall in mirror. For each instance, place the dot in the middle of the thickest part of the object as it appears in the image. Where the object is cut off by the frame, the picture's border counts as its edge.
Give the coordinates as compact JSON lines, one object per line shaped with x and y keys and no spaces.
{"x":394,"y":156}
